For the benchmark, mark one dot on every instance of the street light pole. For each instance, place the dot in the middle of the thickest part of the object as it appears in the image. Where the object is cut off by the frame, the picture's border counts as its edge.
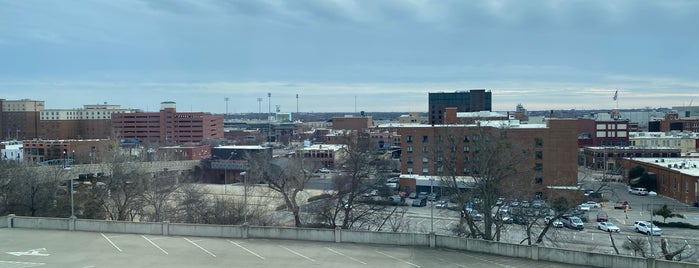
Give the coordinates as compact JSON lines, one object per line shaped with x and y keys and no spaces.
{"x":245,"y":197}
{"x":432,"y":206}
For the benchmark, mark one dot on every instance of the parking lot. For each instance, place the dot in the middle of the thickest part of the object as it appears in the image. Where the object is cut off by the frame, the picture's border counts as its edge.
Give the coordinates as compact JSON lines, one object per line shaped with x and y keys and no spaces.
{"x":37,"y":248}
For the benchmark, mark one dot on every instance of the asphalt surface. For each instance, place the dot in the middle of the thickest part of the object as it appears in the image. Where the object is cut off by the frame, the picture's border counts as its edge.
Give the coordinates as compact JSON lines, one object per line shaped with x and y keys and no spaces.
{"x":45,"y":248}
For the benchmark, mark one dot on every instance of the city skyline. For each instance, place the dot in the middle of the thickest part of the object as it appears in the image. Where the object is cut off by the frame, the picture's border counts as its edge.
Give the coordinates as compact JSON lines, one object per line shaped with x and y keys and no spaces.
{"x":347,"y":56}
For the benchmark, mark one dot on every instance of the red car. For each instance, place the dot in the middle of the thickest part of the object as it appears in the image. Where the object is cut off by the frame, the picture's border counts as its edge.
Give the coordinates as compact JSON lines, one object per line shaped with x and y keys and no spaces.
{"x":602,"y":216}
{"x":623,"y":205}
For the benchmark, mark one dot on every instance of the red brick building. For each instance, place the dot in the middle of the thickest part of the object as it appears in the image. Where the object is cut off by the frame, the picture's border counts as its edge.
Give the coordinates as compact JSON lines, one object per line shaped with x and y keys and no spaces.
{"x":74,"y":151}
{"x":553,"y":146}
{"x":168,"y":127}
{"x":358,"y":124}
{"x":19,"y":119}
{"x":603,"y":133}
{"x":677,"y":178}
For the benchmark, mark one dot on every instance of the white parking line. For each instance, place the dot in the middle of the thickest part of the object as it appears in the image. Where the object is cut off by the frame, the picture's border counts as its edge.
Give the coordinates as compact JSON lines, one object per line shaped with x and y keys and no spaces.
{"x":299,"y":254}
{"x":195,"y":244}
{"x":17,"y":264}
{"x":110,"y":242}
{"x":253,"y":253}
{"x":153,"y":243}
{"x":409,"y":263}
{"x":340,"y":253}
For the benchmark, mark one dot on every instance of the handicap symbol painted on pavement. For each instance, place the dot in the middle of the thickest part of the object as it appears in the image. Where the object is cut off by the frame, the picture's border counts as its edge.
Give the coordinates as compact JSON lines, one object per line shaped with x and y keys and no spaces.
{"x":31,"y":252}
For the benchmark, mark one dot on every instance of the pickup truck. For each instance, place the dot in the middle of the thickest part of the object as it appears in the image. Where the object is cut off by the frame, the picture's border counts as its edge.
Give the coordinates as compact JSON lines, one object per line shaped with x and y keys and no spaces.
{"x":646,"y":228}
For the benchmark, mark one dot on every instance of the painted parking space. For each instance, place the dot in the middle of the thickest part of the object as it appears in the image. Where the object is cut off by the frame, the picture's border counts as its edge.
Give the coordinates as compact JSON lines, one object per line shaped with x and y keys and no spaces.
{"x":37,"y":248}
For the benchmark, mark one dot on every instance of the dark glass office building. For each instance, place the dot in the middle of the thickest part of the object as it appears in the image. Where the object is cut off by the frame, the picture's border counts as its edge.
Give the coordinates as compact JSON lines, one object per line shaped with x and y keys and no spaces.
{"x":472,"y":101}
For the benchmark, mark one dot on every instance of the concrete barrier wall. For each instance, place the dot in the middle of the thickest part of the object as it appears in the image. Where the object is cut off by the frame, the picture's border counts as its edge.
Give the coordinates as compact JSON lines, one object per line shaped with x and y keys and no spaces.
{"x":40,"y":223}
{"x":403,"y":239}
{"x":324,"y":235}
{"x":153,"y":228}
{"x":589,"y":258}
{"x":344,"y":236}
{"x":205,"y":230}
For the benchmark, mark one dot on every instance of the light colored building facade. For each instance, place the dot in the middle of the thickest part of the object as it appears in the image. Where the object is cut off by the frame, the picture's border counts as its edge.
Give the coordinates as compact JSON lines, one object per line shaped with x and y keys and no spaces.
{"x":685,"y":141}
{"x":89,"y":122}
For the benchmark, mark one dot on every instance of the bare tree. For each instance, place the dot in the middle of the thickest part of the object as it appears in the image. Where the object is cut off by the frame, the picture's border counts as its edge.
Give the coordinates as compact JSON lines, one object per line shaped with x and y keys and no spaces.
{"x":636,"y":244}
{"x":492,"y":159}
{"x":124,"y":187}
{"x":287,"y":176}
{"x":158,"y":195}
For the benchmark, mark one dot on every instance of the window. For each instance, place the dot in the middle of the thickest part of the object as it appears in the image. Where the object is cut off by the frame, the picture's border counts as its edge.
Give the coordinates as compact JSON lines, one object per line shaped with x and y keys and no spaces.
{"x":440,"y":169}
{"x":424,"y":138}
{"x":425,"y":170}
{"x":410,"y":159}
{"x":465,"y":138}
{"x":466,"y":171}
{"x":466,"y":160}
{"x":539,"y":154}
{"x":424,"y":149}
{"x":538,"y":166}
{"x":410,"y":170}
{"x":466,"y":149}
{"x":538,"y":180}
{"x":409,"y":149}
{"x":425,"y":160}
{"x":409,"y":138}
{"x":440,"y":159}
{"x":452,"y":149}
{"x":539,"y":142}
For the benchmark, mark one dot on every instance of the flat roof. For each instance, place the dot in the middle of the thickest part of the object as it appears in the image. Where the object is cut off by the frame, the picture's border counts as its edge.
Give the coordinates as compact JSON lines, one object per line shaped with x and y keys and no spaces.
{"x":688,"y":166}
{"x":241,"y":147}
{"x":485,"y":123}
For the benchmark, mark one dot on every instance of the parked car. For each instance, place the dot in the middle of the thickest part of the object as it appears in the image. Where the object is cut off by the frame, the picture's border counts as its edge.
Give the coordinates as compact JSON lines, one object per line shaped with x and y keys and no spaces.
{"x":646,"y":228}
{"x":441,"y":204}
{"x":652,"y":193}
{"x":474,"y":214}
{"x":608,"y":227}
{"x":573,"y":223}
{"x":593,"y":204}
{"x":324,"y":170}
{"x":584,"y":207}
{"x":639,"y":191}
{"x":420,"y":202}
{"x":538,"y":203}
{"x":412,"y":195}
{"x":557,"y":223}
{"x":517,"y":219}
{"x":622,"y":205}
{"x":602,"y":216}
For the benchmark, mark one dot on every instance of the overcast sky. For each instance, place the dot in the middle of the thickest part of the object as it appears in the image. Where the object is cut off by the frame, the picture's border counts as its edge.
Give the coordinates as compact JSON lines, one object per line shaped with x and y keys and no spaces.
{"x":345,"y":56}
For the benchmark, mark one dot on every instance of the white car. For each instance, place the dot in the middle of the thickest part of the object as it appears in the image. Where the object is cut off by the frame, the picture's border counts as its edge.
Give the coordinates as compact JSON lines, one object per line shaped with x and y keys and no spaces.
{"x":592,"y":204}
{"x":324,"y":170}
{"x":652,"y":193}
{"x":647,"y":228}
{"x":584,"y":207}
{"x":607,"y":227}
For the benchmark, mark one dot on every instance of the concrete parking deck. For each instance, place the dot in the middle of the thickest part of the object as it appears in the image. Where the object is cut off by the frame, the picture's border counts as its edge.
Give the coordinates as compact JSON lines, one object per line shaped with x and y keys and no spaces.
{"x":46,"y":248}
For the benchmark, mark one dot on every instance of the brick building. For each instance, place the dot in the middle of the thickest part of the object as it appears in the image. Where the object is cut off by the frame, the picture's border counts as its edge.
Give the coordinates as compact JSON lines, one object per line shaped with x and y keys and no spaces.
{"x":677,"y":178}
{"x":89,"y":122}
{"x":19,"y":119}
{"x":594,"y":132}
{"x":72,"y":151}
{"x":168,"y":127}
{"x":358,"y":124}
{"x":553,"y":147}
{"x":179,"y":153}
{"x":675,"y":122}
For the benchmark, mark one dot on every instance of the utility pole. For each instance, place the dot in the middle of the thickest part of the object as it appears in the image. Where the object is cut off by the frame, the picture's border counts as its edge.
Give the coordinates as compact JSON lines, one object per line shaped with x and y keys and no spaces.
{"x":226,"y":99}
{"x":269,"y":117}
{"x":259,"y":105}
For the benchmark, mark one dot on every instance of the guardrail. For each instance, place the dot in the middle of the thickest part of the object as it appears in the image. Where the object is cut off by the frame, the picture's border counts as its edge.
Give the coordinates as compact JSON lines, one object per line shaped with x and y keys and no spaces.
{"x":533,"y":252}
